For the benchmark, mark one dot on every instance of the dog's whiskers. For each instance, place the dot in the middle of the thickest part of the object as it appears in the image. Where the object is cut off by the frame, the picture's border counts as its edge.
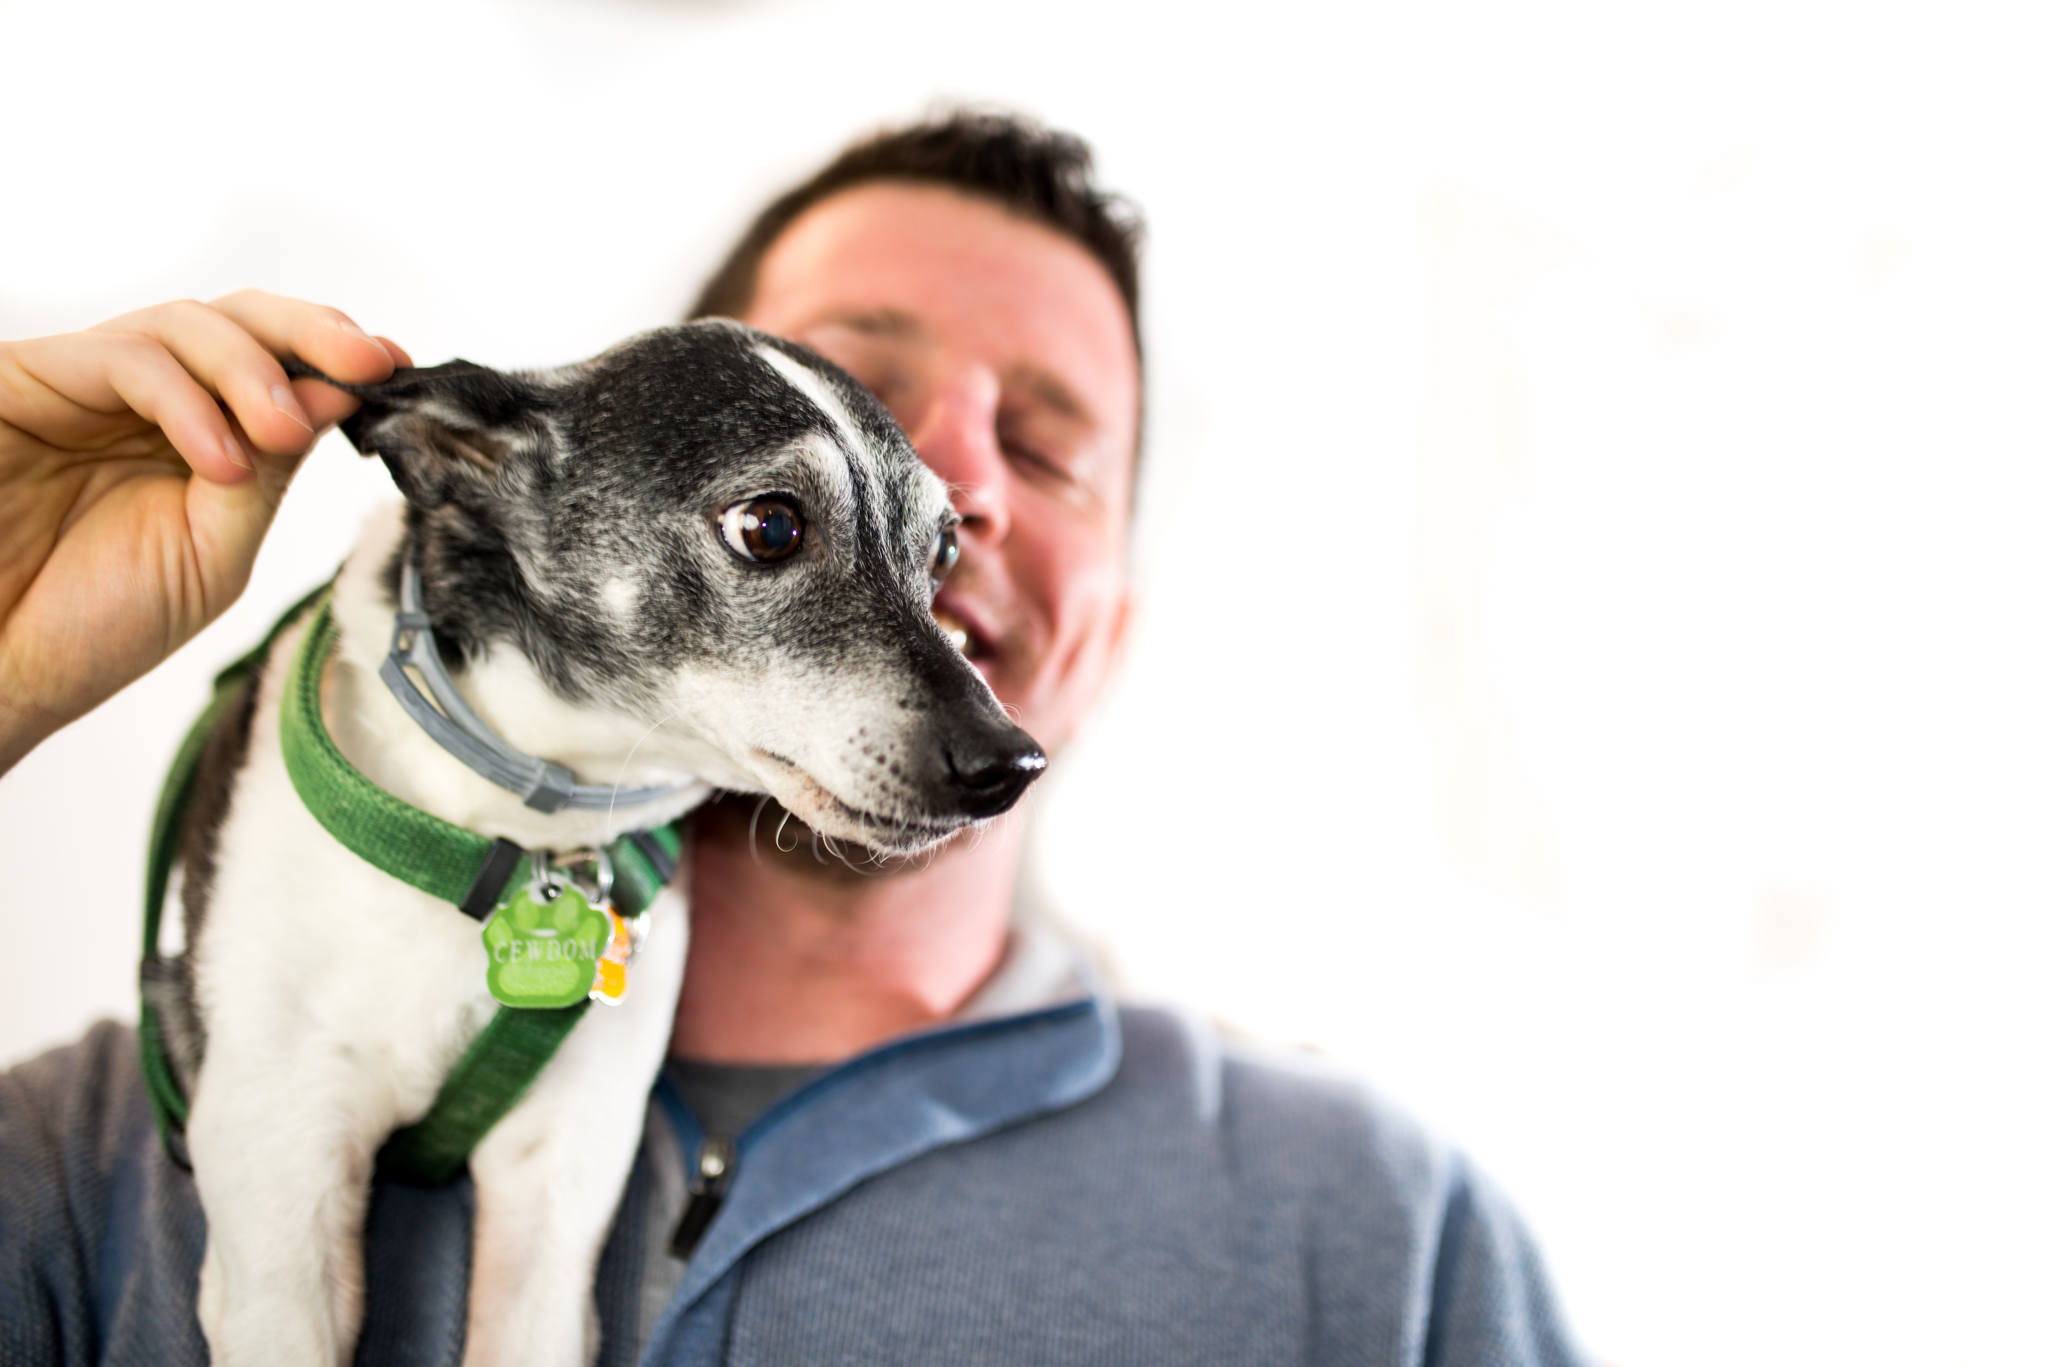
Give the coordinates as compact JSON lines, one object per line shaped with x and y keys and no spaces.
{"x":753,"y":822}
{"x":628,"y":760}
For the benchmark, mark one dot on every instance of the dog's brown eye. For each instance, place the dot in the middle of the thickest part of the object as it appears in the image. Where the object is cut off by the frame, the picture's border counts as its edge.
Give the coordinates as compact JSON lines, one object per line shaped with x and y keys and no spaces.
{"x":945,"y":555}
{"x":763,"y":528}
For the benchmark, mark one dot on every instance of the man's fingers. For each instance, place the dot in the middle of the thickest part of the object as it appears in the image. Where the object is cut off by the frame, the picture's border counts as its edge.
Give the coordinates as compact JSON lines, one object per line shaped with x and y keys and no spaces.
{"x":161,"y":391}
{"x":328,"y":405}
{"x":324,"y":404}
{"x":232,"y":346}
{"x":117,"y":372}
{"x":168,"y":364}
{"x":324,"y":338}
{"x":224,"y":358}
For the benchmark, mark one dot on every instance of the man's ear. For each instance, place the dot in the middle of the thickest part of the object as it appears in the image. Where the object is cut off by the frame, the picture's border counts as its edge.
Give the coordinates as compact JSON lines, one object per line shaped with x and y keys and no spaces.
{"x":443,"y":431}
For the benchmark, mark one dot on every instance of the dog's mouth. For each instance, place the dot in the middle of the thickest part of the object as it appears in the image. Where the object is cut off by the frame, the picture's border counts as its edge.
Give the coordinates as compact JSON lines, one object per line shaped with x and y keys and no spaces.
{"x":829,"y":814}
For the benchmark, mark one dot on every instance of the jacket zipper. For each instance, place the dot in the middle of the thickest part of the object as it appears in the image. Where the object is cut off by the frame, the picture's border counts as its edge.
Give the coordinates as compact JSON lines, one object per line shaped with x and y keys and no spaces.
{"x":715,"y":1163}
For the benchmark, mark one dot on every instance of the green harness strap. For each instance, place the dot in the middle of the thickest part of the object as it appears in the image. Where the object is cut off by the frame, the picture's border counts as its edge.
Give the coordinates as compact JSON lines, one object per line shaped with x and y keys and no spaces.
{"x":433,"y":855}
{"x":166,"y":828}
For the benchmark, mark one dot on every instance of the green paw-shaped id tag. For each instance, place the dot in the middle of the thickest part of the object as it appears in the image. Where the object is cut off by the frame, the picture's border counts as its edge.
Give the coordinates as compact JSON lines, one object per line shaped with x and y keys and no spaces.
{"x":544,"y":942}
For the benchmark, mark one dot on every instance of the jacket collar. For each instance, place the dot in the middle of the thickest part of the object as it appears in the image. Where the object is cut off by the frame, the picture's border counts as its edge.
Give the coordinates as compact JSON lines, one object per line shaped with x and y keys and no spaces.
{"x":1041,"y":1036}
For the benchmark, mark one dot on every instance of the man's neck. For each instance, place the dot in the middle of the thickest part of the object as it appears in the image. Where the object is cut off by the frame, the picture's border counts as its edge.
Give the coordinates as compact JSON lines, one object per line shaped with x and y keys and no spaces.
{"x":798,"y":959}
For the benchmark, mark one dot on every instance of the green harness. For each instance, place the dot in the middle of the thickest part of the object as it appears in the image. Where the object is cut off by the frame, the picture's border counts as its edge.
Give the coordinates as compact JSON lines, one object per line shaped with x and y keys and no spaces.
{"x":437,"y":857}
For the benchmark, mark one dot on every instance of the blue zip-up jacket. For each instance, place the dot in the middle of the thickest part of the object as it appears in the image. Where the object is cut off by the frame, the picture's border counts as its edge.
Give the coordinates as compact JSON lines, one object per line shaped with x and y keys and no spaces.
{"x":1069,"y":1184}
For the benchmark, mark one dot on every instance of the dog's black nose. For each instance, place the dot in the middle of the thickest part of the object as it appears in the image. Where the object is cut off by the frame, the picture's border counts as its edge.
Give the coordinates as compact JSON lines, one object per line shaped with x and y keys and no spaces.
{"x":991,"y":767}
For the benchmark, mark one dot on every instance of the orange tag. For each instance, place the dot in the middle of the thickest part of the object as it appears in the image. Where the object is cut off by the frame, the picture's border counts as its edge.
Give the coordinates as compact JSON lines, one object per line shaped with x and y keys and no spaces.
{"x":610,"y":987}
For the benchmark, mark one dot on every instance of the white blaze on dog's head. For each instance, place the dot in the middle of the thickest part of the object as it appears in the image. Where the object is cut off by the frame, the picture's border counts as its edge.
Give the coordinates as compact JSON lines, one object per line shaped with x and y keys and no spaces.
{"x":813,"y":387}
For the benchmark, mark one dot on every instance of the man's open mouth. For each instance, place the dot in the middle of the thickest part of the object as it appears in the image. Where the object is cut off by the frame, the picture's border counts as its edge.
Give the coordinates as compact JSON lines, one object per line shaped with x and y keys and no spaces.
{"x":965,"y":637}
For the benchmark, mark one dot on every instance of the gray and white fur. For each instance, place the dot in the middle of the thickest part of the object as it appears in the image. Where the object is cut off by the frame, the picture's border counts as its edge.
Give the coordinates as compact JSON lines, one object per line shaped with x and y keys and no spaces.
{"x":573,"y":535}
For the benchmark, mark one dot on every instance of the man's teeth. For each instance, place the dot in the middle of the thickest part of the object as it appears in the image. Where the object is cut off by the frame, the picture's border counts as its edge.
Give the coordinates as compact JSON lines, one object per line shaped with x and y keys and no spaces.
{"x":955,"y":629}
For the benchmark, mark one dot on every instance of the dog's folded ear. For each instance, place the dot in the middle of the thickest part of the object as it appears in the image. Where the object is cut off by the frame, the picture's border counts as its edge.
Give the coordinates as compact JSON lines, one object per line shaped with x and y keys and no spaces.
{"x":443,"y":431}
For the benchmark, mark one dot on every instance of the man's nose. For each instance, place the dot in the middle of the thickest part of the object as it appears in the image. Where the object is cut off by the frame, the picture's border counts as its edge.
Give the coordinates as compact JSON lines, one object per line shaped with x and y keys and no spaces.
{"x":955,"y":435}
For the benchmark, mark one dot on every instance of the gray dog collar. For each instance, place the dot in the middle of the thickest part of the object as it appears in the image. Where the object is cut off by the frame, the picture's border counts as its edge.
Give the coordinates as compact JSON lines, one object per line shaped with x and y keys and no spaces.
{"x":541,"y":784}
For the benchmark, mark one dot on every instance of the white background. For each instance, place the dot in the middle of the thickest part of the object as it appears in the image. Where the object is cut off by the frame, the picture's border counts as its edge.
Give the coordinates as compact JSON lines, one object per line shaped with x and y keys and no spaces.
{"x":1594,"y":664}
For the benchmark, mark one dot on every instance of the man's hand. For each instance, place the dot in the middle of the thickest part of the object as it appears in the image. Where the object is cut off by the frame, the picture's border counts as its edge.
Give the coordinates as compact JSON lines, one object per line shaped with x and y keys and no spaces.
{"x":140,"y":465}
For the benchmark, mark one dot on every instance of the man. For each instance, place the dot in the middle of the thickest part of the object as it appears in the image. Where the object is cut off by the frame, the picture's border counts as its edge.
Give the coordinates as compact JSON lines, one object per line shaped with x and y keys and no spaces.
{"x":897,"y":1126}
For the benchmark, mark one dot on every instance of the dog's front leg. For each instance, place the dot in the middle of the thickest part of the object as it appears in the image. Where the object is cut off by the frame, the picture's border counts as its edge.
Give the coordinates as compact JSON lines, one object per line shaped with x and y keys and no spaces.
{"x":283,"y":1173}
{"x":548,"y":1176}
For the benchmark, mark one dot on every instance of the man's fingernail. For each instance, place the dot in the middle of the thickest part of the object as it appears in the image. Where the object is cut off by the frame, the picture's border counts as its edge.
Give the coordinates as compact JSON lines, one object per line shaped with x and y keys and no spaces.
{"x":352,"y":330}
{"x":233,"y":451}
{"x":285,"y":402}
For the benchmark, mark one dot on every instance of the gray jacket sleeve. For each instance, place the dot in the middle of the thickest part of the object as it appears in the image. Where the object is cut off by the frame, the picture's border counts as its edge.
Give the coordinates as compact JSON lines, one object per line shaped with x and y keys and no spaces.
{"x":1490,"y":1300}
{"x":101,"y":1235}
{"x":1408,"y":1255}
{"x":61,"y":1122}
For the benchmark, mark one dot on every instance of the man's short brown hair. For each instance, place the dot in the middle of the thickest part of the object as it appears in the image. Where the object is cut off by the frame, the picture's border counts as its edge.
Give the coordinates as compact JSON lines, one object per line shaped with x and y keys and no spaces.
{"x":1035,"y":172}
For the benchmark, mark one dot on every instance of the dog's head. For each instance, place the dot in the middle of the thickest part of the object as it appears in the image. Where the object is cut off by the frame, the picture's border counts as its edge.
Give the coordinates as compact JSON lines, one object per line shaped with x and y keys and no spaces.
{"x":719,"y":535}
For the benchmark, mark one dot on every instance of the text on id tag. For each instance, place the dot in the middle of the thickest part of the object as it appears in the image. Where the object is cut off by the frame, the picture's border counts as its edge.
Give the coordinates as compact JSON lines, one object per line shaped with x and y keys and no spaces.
{"x":544,"y":943}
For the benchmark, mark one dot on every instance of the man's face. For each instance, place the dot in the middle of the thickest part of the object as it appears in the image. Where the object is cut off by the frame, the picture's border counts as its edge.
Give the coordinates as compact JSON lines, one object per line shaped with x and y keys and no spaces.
{"x":1003,"y":349}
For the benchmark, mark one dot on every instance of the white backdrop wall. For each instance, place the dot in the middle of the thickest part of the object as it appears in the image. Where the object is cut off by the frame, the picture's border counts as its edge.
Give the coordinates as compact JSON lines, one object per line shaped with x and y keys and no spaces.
{"x":1593,"y":667}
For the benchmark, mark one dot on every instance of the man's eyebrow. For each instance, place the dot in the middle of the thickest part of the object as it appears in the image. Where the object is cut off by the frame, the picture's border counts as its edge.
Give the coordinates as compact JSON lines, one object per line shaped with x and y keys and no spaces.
{"x":1051,"y":391}
{"x":1040,"y":384}
{"x":883,"y":322}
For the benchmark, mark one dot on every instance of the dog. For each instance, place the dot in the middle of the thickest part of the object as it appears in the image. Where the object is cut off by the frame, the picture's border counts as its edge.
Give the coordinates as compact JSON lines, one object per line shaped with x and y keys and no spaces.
{"x":704,"y":560}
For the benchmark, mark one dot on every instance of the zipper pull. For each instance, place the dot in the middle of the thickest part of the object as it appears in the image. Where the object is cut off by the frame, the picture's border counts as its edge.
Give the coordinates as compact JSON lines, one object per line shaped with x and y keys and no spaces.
{"x":715,"y":1163}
